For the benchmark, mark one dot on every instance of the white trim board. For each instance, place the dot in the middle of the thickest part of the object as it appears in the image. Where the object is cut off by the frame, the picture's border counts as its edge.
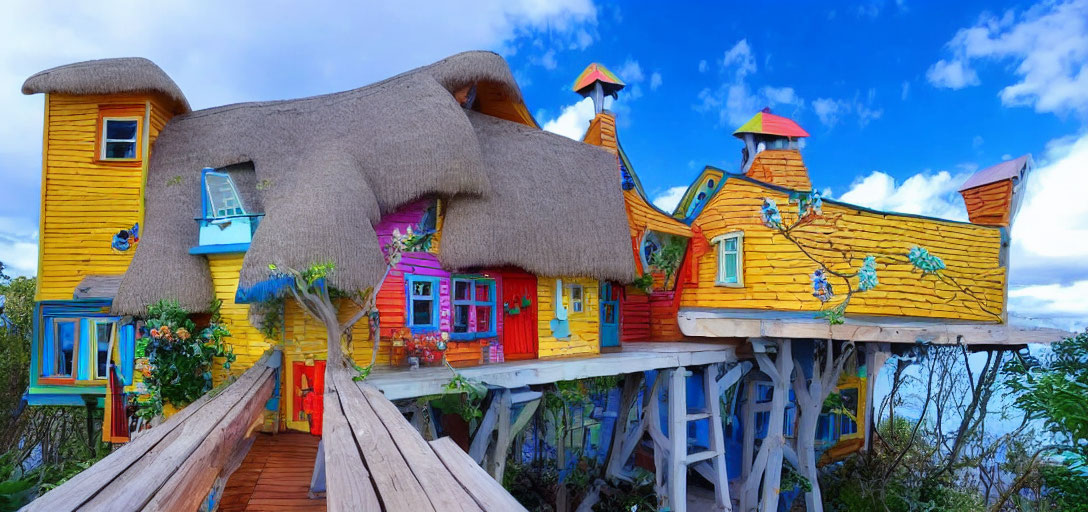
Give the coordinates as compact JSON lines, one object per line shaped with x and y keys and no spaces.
{"x":757,"y":324}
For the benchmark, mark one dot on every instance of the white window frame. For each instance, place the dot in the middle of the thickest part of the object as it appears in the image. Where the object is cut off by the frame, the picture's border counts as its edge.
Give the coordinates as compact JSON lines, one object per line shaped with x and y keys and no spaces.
{"x":719,"y":276}
{"x":579,"y":305}
{"x":135,"y":140}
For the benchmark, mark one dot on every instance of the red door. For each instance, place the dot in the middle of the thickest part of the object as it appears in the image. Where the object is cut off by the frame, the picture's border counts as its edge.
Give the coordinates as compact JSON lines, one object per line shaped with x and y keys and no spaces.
{"x":519,"y":329}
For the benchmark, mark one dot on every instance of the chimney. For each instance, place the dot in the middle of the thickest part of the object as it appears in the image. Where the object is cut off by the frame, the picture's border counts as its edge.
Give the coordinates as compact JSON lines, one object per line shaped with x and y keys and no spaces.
{"x":772,"y":151}
{"x":993,"y":195}
{"x":597,"y":82}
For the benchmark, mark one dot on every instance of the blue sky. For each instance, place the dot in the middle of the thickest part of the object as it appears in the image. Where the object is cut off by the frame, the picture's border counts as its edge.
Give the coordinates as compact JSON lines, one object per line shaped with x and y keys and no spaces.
{"x":903,"y":99}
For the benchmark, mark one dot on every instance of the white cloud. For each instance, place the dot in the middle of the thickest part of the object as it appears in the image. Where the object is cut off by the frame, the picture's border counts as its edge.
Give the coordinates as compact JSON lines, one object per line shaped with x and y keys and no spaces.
{"x":904,"y":91}
{"x":932,"y":194}
{"x":1006,"y":156}
{"x":734,"y":100}
{"x":668,"y":199}
{"x":1048,"y":43}
{"x":221,"y":53}
{"x":630,"y":72}
{"x":951,"y":74}
{"x":703,"y":66}
{"x":573,"y":120}
{"x":18,"y":246}
{"x":1059,"y":305}
{"x":655,"y":81}
{"x":831,"y":111}
{"x":548,"y":60}
{"x":976,"y":141}
{"x":1050,"y":235}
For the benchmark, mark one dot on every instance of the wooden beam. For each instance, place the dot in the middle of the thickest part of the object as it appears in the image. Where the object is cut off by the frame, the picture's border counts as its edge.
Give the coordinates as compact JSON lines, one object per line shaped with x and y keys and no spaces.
{"x":623,"y":436}
{"x":502,"y":440}
{"x":444,"y":491}
{"x":712,"y":389}
{"x":482,"y":438}
{"x":84,"y":485}
{"x":732,"y":376}
{"x":488,"y":493}
{"x":347,"y":481}
{"x":678,"y":440}
{"x":140,"y":482}
{"x":885,"y":330}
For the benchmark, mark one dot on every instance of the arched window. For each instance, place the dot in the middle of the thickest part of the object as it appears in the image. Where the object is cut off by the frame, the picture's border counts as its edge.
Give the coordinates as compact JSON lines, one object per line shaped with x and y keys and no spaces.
{"x":651,"y":244}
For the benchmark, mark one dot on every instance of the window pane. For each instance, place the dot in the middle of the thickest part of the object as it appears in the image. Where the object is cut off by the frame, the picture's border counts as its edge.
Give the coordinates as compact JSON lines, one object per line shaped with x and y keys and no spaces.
{"x":483,"y":318}
{"x":120,"y":150}
{"x":421,"y":288}
{"x":608,"y":310}
{"x":460,"y":318}
{"x":576,"y":292}
{"x":730,"y":262}
{"x":123,"y":130}
{"x":461,"y":290}
{"x":103,"y":335}
{"x":65,"y":344}
{"x":483,"y":292}
{"x":763,"y":393}
{"x":730,"y":244}
{"x":222,"y":196}
{"x":421,"y":311}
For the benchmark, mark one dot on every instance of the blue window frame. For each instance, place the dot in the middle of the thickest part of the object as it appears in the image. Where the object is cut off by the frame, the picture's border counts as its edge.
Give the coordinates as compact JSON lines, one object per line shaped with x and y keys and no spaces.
{"x":422,"y":295}
{"x":474,"y":314}
{"x":221,"y":198}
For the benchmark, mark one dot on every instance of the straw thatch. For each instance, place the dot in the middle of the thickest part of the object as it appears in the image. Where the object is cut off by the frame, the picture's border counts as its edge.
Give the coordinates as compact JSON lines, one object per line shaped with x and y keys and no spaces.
{"x":330,"y":166}
{"x":133,"y":75}
{"x":556,"y":207}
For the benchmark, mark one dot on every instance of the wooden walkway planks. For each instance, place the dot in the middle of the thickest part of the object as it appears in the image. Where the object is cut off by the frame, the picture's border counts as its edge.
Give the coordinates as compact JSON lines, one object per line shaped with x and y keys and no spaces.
{"x":363,"y":428}
{"x":275,"y":476}
{"x":135,"y":475}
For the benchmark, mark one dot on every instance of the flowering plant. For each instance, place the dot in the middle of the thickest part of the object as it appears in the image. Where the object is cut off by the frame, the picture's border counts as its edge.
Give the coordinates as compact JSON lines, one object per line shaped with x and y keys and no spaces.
{"x":180,"y":356}
{"x":428,"y":347}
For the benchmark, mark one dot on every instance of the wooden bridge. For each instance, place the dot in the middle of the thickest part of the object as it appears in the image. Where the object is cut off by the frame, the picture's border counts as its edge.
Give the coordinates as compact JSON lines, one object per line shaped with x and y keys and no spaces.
{"x":374,"y":459}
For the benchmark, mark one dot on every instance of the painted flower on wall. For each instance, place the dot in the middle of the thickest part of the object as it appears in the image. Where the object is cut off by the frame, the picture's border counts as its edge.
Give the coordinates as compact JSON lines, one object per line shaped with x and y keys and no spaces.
{"x":867,"y":274}
{"x":821,"y":289}
{"x":772,"y":218}
{"x":924,"y":261}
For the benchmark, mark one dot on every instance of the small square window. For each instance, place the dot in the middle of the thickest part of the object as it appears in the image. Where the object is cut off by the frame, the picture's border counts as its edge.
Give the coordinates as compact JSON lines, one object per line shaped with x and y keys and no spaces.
{"x":60,"y":351}
{"x":422,"y":302}
{"x":577,"y":302}
{"x":730,"y":259}
{"x":120,"y":138}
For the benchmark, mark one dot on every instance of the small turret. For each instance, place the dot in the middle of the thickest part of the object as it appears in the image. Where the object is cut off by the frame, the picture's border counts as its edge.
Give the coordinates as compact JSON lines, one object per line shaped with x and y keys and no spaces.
{"x":597,"y":82}
{"x":993,"y":195}
{"x":772,"y":150}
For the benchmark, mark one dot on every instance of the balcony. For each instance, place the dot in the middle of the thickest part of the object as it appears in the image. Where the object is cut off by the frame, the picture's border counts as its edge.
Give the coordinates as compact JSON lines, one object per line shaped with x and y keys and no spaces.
{"x":226,"y":234}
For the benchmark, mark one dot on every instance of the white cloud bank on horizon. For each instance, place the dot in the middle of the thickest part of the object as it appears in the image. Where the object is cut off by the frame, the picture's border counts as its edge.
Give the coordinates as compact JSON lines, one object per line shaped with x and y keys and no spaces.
{"x":225,"y":52}
{"x":667,"y":200}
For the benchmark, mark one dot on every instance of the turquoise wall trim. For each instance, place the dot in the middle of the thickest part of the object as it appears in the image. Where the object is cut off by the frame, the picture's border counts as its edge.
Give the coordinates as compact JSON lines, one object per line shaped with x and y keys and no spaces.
{"x":220,"y":249}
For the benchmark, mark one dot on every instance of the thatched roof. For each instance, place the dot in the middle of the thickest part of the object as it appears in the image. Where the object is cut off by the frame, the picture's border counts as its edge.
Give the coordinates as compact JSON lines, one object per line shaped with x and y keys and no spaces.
{"x":556,"y":207}
{"x":329,"y":167}
{"x":108,"y":76}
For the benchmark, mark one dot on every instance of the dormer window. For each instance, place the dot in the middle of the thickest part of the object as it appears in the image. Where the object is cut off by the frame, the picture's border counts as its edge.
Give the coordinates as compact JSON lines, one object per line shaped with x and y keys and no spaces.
{"x":230,"y":211}
{"x":120,"y":138}
{"x":222,"y":198}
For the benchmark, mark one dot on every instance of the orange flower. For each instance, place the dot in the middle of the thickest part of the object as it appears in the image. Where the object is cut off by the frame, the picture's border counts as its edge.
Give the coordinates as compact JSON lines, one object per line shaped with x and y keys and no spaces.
{"x":154,"y":333}
{"x":165,"y":330}
{"x":183,"y":333}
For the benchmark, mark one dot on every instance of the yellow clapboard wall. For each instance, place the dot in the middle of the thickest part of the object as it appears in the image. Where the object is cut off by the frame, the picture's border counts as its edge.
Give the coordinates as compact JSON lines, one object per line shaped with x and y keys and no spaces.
{"x":246,"y":340}
{"x":86,"y":201}
{"x":776,"y":273}
{"x":584,"y":327}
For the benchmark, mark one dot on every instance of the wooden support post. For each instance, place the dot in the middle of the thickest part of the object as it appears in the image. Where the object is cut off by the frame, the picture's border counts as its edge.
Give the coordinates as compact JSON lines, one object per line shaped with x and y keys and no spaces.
{"x":625,"y":436}
{"x":502,"y":441}
{"x":482,"y":438}
{"x":713,"y":390}
{"x":317,"y":480}
{"x":876,"y":354}
{"x":678,"y":440}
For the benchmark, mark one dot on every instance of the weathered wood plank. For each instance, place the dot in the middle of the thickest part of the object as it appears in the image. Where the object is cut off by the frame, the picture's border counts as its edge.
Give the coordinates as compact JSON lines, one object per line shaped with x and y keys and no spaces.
{"x":488,"y":493}
{"x":347,"y":481}
{"x":80,"y":488}
{"x":442,"y":489}
{"x":396,"y":484}
{"x":138,"y":484}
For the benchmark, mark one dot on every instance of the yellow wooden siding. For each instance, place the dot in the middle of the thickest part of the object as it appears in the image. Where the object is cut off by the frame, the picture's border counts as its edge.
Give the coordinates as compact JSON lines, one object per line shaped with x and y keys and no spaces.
{"x":776,"y":273}
{"x":782,"y":167}
{"x":584,"y":327}
{"x":84,"y":201}
{"x":247,"y":341}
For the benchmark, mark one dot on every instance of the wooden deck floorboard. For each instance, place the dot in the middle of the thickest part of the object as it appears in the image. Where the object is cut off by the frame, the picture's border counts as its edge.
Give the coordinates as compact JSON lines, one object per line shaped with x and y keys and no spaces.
{"x":275,"y":476}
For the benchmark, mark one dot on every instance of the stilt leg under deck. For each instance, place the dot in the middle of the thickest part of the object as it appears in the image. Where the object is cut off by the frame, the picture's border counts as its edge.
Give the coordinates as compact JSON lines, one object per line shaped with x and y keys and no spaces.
{"x":678,"y":441}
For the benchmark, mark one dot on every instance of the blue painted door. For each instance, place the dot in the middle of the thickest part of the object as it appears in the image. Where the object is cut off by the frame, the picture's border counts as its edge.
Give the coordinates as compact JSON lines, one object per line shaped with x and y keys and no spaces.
{"x":610,"y":316}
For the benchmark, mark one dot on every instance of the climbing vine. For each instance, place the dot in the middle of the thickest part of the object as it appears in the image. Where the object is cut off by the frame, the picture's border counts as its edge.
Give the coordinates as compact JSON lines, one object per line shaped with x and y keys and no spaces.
{"x":810,"y":213}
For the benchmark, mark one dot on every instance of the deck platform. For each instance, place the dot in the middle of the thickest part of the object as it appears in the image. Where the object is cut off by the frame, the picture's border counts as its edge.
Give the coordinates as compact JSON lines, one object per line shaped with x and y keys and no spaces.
{"x":400,"y":383}
{"x":275,"y":475}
